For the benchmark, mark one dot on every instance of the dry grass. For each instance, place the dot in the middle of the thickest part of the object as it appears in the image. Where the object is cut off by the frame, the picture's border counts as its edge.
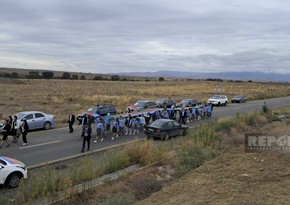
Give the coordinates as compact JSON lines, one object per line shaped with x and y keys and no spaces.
{"x":60,"y":97}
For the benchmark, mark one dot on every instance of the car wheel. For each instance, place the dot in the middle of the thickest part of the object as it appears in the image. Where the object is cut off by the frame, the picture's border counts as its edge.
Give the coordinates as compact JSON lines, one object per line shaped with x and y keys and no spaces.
{"x":183,"y":132}
{"x":13,"y":180}
{"x":166,"y":137}
{"x":226,"y":103}
{"x":219,"y":103}
{"x":47,"y":126}
{"x":149,"y":137}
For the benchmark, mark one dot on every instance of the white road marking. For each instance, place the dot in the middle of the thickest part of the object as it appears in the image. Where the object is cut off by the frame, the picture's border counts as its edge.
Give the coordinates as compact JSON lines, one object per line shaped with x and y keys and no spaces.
{"x":37,"y":145}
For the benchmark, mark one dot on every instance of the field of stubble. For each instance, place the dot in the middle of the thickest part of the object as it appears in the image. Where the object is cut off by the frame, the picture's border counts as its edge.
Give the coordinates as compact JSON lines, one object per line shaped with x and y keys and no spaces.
{"x":60,"y":97}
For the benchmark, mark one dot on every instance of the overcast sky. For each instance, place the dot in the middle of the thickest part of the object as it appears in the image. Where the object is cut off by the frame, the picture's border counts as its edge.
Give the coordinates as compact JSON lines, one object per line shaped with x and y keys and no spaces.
{"x":109,"y":36}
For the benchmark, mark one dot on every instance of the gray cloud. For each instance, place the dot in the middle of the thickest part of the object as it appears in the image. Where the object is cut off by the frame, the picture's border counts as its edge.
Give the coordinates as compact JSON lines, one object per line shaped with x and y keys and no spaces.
{"x":128,"y":35}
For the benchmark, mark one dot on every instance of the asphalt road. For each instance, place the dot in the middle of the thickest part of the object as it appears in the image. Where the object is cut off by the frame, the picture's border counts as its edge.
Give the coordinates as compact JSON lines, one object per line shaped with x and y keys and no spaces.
{"x":56,"y":144}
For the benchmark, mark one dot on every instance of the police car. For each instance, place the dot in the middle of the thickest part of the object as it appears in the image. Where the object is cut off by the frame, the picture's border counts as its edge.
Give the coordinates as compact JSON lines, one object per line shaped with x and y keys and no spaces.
{"x":11,"y":172}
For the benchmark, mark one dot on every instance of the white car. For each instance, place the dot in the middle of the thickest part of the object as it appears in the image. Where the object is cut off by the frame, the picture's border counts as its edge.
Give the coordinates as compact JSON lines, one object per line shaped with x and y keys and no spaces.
{"x":36,"y":119}
{"x":218,"y":100}
{"x":11,"y":171}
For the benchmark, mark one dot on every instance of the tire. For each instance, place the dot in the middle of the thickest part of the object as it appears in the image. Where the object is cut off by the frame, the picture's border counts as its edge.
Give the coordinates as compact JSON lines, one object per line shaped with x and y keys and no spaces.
{"x":47,"y":126}
{"x":218,"y":104}
{"x":226,"y":103}
{"x":13,"y":180}
{"x":184,"y":132}
{"x":166,"y":137}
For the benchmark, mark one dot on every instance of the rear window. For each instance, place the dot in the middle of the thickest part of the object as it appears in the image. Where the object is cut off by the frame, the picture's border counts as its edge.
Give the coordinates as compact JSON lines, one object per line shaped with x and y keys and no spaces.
{"x":158,"y":123}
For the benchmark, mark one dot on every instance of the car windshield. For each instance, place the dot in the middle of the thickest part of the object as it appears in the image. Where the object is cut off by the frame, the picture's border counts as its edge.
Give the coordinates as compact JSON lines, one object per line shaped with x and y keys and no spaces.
{"x":238,"y":96}
{"x":160,"y":101}
{"x":92,"y":109}
{"x":184,"y":101}
{"x":20,"y":115}
{"x":157,"y":123}
{"x":139,"y":104}
{"x":216,"y":97}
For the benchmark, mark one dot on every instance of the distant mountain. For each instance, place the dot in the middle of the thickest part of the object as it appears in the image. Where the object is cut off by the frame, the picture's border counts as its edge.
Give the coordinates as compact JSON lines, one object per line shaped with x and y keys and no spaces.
{"x":245,"y":76}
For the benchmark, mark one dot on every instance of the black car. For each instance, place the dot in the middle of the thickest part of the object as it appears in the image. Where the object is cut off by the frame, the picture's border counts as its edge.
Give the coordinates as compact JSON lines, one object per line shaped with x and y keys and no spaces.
{"x":165,"y":128}
{"x":165,"y":103}
{"x":239,"y":99}
{"x":102,"y":110}
{"x":187,"y":103}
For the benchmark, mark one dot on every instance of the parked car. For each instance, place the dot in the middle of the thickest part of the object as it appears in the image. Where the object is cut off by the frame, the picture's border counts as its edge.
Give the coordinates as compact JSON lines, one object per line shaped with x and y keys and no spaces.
{"x":165,"y":128}
{"x":11,"y":172}
{"x":141,"y":104}
{"x":187,"y":103}
{"x":239,"y":99}
{"x":218,"y":100}
{"x":102,"y":110}
{"x":165,"y":103}
{"x":36,"y":119}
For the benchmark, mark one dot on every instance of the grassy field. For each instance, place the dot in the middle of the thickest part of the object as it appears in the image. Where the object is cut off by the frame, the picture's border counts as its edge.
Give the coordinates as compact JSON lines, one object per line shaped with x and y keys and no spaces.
{"x":60,"y":97}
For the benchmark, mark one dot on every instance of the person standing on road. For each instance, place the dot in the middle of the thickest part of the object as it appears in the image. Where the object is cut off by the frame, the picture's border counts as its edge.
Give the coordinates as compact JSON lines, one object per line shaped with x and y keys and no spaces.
{"x":71,"y":121}
{"x":14,"y":129}
{"x":115,"y":129}
{"x":182,"y":116}
{"x":6,"y":129}
{"x":87,"y":137}
{"x":24,"y":130}
{"x":83,"y":124}
{"x":121,"y":126}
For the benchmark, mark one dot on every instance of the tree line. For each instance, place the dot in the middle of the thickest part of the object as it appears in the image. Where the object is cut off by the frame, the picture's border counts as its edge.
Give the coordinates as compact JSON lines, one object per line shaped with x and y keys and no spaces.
{"x":65,"y":75}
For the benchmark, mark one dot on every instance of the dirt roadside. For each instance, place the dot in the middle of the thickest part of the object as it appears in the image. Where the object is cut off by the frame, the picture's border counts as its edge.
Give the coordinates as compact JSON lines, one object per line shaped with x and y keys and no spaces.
{"x":235,"y":177}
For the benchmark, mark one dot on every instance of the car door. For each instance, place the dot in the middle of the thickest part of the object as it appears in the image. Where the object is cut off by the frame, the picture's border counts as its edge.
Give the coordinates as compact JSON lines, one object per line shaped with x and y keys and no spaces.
{"x":177,"y":128}
{"x":30,"y":121}
{"x":170,"y":129}
{"x":39,"y":120}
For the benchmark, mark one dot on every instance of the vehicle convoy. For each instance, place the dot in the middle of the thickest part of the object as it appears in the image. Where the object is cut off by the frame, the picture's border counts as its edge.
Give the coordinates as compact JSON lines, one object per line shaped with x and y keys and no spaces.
{"x":11,"y":172}
{"x":102,"y":110}
{"x":187,"y":103}
{"x":239,"y":99}
{"x":164,"y":129}
{"x":36,"y":119}
{"x":141,"y":104}
{"x":218,"y":100}
{"x":165,"y":103}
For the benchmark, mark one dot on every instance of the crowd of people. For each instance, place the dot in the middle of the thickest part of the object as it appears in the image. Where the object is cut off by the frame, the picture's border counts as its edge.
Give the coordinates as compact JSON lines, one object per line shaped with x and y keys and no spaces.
{"x":133,"y":123}
{"x":11,"y":127}
{"x":117,"y":125}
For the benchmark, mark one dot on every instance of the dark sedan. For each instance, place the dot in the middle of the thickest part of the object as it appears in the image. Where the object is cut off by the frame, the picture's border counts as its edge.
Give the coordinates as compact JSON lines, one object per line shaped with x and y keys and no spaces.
{"x":165,"y":103}
{"x":165,"y":128}
{"x":239,"y":99}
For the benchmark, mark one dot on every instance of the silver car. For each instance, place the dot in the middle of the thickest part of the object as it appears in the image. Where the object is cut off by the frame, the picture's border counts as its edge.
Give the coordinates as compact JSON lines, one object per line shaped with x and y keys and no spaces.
{"x":36,"y":119}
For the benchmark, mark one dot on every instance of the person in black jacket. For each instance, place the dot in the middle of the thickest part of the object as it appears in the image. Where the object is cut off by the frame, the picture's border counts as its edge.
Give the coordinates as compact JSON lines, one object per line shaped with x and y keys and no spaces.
{"x":24,"y":130}
{"x":87,"y":137}
{"x":71,"y":121}
{"x":5,"y":130}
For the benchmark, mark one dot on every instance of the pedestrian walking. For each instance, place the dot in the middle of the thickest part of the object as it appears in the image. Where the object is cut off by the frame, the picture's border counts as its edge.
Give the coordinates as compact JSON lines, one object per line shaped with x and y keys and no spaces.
{"x":121,"y":126}
{"x":135,"y":124}
{"x":14,"y":129}
{"x":5,"y":129}
{"x":87,"y":137}
{"x":24,"y":130}
{"x":100,"y":131}
{"x":71,"y":121}
{"x":115,"y":129}
{"x":83,"y":123}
